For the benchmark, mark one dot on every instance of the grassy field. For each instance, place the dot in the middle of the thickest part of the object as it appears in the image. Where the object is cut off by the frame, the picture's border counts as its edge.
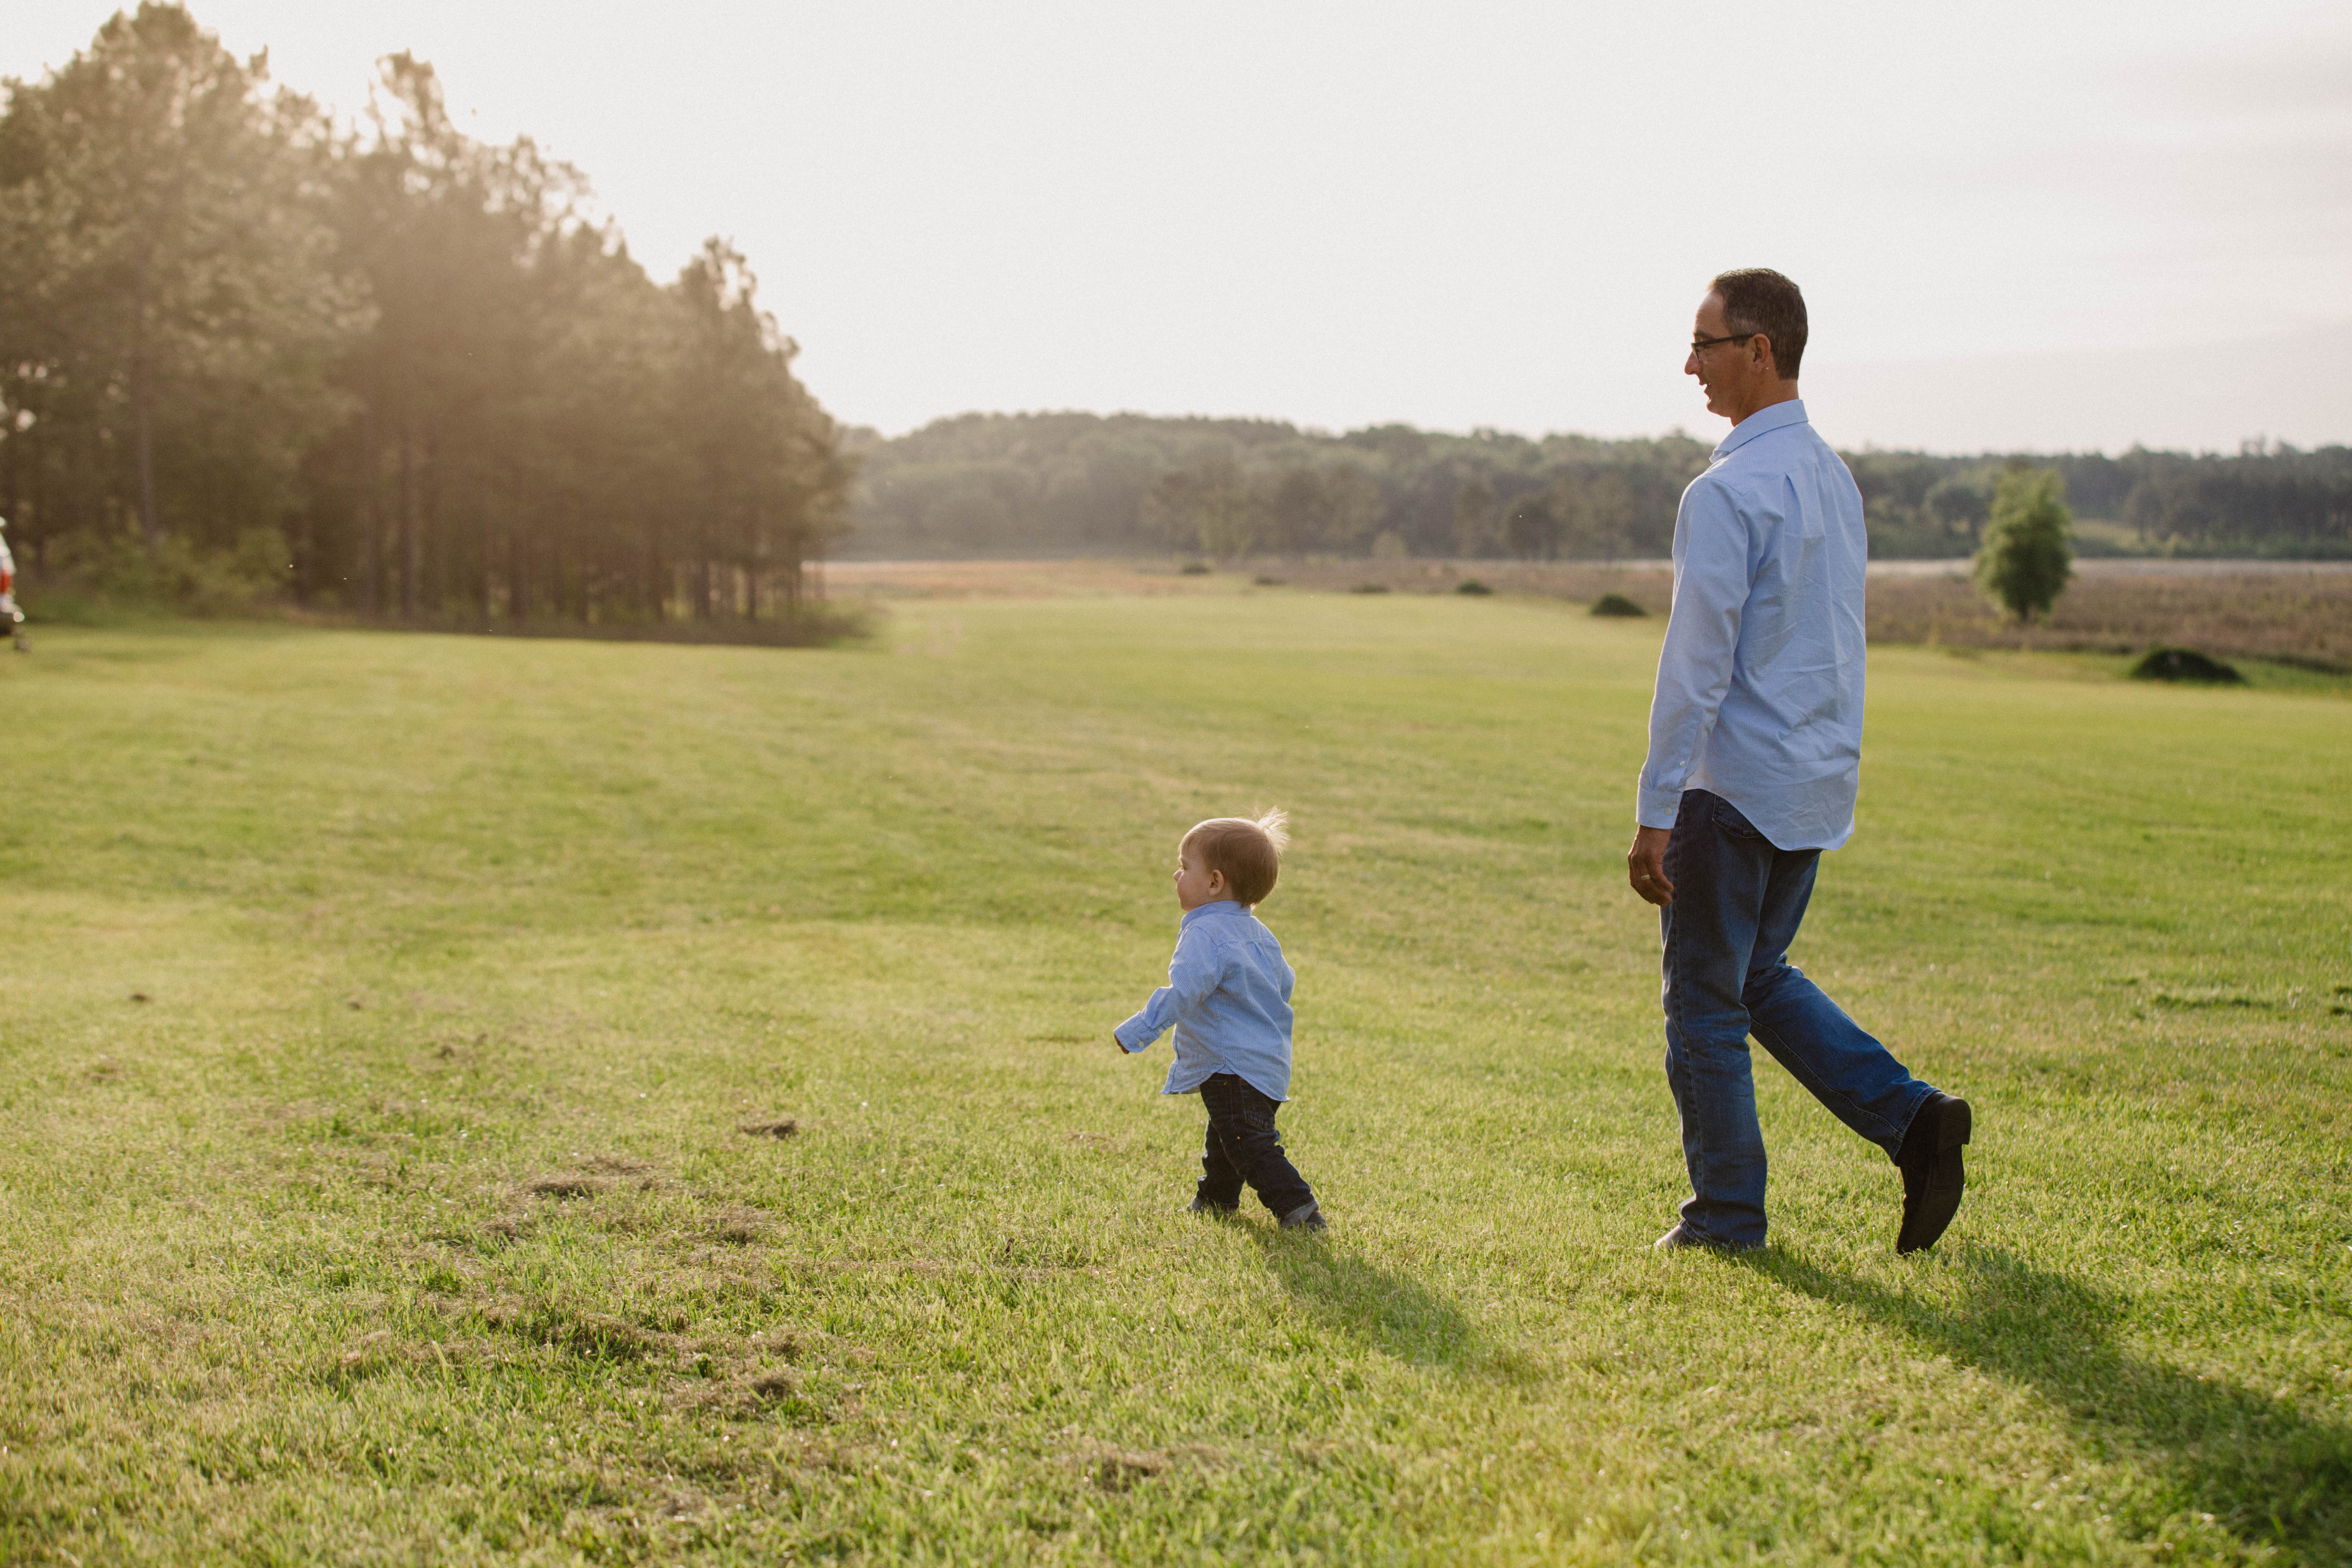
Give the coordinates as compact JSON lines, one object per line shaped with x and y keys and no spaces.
{"x":380,"y":1015}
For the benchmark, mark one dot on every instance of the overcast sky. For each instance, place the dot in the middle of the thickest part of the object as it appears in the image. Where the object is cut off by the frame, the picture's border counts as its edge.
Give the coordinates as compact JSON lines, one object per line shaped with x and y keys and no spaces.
{"x":2044,"y":226}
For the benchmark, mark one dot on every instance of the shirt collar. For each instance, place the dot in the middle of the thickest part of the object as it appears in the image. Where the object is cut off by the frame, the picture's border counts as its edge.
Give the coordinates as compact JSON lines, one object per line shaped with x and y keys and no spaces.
{"x":1205,"y":910}
{"x":1762,"y":422}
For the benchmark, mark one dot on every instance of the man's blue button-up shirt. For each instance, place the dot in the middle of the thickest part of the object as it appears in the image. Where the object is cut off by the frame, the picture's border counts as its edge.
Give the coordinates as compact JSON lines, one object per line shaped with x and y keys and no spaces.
{"x":1228,"y":998}
{"x":1759,"y":683}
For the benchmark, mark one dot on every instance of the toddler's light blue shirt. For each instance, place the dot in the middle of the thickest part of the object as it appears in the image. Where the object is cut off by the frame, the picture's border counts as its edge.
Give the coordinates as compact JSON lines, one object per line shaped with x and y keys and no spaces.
{"x":1228,"y":996}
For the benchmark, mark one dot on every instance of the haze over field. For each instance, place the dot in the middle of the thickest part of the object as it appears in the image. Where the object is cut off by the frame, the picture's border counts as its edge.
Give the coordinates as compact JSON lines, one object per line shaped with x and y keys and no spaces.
{"x":2020,"y":227}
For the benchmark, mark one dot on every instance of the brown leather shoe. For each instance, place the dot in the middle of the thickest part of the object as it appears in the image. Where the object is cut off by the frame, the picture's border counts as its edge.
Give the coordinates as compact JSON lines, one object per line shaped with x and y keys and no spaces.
{"x":1932,"y":1176}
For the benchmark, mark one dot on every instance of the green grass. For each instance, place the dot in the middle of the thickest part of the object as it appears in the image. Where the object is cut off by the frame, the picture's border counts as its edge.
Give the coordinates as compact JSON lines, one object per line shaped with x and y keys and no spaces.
{"x":407,"y":1218}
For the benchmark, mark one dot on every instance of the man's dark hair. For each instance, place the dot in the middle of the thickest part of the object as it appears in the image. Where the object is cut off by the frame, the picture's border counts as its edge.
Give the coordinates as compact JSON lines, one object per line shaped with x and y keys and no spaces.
{"x":1759,"y":299}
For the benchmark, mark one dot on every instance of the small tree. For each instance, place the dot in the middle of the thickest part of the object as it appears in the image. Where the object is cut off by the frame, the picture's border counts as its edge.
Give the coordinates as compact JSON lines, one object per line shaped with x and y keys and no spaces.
{"x":2028,"y":555}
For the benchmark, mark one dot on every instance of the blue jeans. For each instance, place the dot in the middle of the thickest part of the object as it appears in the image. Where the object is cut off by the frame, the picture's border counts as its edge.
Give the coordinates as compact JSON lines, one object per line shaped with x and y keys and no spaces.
{"x":1738,"y":902}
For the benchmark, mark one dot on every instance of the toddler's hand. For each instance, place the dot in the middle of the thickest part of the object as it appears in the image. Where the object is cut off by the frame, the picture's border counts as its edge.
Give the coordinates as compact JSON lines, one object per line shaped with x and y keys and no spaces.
{"x":1117,"y":1046}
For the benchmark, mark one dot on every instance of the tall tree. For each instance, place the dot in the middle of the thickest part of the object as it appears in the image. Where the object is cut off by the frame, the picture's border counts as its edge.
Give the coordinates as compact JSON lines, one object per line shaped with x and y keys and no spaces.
{"x":166,"y":215}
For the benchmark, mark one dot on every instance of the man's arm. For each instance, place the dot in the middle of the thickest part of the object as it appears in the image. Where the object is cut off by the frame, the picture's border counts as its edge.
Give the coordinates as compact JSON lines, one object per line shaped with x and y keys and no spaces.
{"x":1693,"y":672}
{"x":1645,"y":865}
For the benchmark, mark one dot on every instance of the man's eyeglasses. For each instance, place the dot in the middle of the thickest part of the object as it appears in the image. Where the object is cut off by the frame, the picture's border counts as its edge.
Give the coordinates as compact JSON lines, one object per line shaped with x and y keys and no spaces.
{"x":1700,"y":345}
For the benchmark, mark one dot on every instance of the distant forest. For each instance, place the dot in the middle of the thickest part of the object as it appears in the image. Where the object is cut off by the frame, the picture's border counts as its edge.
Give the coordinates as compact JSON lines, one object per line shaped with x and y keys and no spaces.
{"x":252,"y":352}
{"x":247,"y":351}
{"x":1068,"y":484}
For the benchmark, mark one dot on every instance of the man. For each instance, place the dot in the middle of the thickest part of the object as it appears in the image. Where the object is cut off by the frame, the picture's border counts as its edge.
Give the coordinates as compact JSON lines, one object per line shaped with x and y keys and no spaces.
{"x":1755,"y":752}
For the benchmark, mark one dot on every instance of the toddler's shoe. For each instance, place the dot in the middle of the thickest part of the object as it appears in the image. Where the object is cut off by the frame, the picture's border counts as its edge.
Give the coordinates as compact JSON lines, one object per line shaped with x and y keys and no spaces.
{"x":1308,"y":1218}
{"x":1677,"y":1238}
{"x":1203,"y":1206}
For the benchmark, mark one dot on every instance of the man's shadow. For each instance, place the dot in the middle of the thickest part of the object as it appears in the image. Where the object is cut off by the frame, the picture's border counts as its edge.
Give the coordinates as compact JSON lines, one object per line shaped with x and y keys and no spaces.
{"x":2270,"y":1474}
{"x":1393,"y":1311}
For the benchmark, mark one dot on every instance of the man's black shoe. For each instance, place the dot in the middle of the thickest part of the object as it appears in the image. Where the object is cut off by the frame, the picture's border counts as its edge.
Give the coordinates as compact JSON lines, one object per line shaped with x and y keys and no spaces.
{"x":1932,"y":1178}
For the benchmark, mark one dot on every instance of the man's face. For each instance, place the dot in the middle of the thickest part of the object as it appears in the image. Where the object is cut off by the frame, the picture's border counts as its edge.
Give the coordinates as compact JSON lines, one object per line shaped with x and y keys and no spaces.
{"x":1727,"y":370}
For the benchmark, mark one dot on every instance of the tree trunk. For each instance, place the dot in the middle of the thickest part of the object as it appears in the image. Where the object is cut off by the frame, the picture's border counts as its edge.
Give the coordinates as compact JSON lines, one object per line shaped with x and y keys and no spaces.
{"x":370,"y":519}
{"x":405,"y":549}
{"x":41,"y":494}
{"x":704,"y":588}
{"x":484,"y":578}
{"x":431,"y":592}
{"x":8,"y":471}
{"x":517,"y":573}
{"x":142,"y":410}
{"x":305,"y":549}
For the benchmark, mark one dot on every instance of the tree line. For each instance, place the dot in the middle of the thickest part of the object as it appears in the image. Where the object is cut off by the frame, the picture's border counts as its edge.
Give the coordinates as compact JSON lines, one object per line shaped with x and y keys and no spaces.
{"x":377,"y":366}
{"x":1018,"y":484}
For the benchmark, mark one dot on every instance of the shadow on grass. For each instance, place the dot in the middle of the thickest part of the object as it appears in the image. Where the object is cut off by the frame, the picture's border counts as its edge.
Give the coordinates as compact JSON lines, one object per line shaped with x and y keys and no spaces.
{"x":1393,"y":1311}
{"x":2272,"y":1475}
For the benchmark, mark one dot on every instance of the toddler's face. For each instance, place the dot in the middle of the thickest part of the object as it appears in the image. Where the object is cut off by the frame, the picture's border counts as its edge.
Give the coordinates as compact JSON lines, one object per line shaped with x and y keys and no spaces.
{"x":1195,"y":884}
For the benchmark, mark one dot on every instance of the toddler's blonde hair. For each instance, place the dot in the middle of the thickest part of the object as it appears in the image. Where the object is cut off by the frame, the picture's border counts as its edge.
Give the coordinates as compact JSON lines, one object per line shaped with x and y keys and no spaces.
{"x":1247,"y":850}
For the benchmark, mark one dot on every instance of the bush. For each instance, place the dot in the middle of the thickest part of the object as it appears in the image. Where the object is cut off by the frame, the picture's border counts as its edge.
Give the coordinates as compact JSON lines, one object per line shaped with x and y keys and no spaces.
{"x":1194,"y":569}
{"x":2028,"y":555}
{"x":1370,"y":588}
{"x":123,"y":573}
{"x":2185,"y":664}
{"x":1472,"y":585}
{"x":1616,"y":605}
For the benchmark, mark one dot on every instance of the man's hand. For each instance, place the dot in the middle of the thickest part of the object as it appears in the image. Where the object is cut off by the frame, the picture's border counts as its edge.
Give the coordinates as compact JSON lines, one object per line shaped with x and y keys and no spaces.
{"x":1645,"y":865}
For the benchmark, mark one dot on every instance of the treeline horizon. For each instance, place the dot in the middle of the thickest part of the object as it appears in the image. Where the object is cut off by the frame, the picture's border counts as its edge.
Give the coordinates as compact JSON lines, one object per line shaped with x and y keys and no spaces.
{"x":247,"y":351}
{"x":1068,"y":483}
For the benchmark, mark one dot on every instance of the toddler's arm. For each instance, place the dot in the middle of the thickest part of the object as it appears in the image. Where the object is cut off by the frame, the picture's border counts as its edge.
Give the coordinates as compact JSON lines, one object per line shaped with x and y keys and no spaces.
{"x":1192,"y":973}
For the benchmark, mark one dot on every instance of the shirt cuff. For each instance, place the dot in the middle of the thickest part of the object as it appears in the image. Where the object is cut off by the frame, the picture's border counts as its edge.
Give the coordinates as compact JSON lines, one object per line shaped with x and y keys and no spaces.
{"x":1134,"y":1034}
{"x":1658,"y":807}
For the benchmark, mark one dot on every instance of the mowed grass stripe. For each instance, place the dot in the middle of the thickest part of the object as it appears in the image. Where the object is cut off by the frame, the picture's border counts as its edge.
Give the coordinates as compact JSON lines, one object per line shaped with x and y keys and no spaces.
{"x":408,"y":1217}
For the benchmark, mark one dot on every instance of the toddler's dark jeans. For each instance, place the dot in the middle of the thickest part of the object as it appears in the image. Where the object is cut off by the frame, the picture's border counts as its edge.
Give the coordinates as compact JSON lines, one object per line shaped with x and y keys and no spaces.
{"x":1243,"y":1146}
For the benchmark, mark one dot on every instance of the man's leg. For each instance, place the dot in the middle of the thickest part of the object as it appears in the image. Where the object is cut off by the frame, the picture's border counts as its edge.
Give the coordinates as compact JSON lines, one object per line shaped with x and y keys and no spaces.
{"x":1719,"y":880}
{"x":1845,"y":1068}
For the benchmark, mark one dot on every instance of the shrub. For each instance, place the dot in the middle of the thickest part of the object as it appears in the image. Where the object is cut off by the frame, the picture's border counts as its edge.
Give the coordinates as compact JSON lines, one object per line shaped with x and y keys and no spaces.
{"x":1472,"y":585}
{"x":1194,"y":569}
{"x":246,"y":578}
{"x":2185,"y":664}
{"x":1616,"y":605}
{"x":2028,"y":555}
{"x":1370,"y":588}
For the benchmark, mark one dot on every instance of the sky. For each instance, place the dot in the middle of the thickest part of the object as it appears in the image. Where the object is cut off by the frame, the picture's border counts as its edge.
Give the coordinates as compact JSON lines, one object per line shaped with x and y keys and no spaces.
{"x":2017,"y":226}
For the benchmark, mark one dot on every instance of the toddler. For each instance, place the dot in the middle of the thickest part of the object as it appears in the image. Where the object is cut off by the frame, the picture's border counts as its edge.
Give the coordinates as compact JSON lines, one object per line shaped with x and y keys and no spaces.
{"x":1228,"y":995}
